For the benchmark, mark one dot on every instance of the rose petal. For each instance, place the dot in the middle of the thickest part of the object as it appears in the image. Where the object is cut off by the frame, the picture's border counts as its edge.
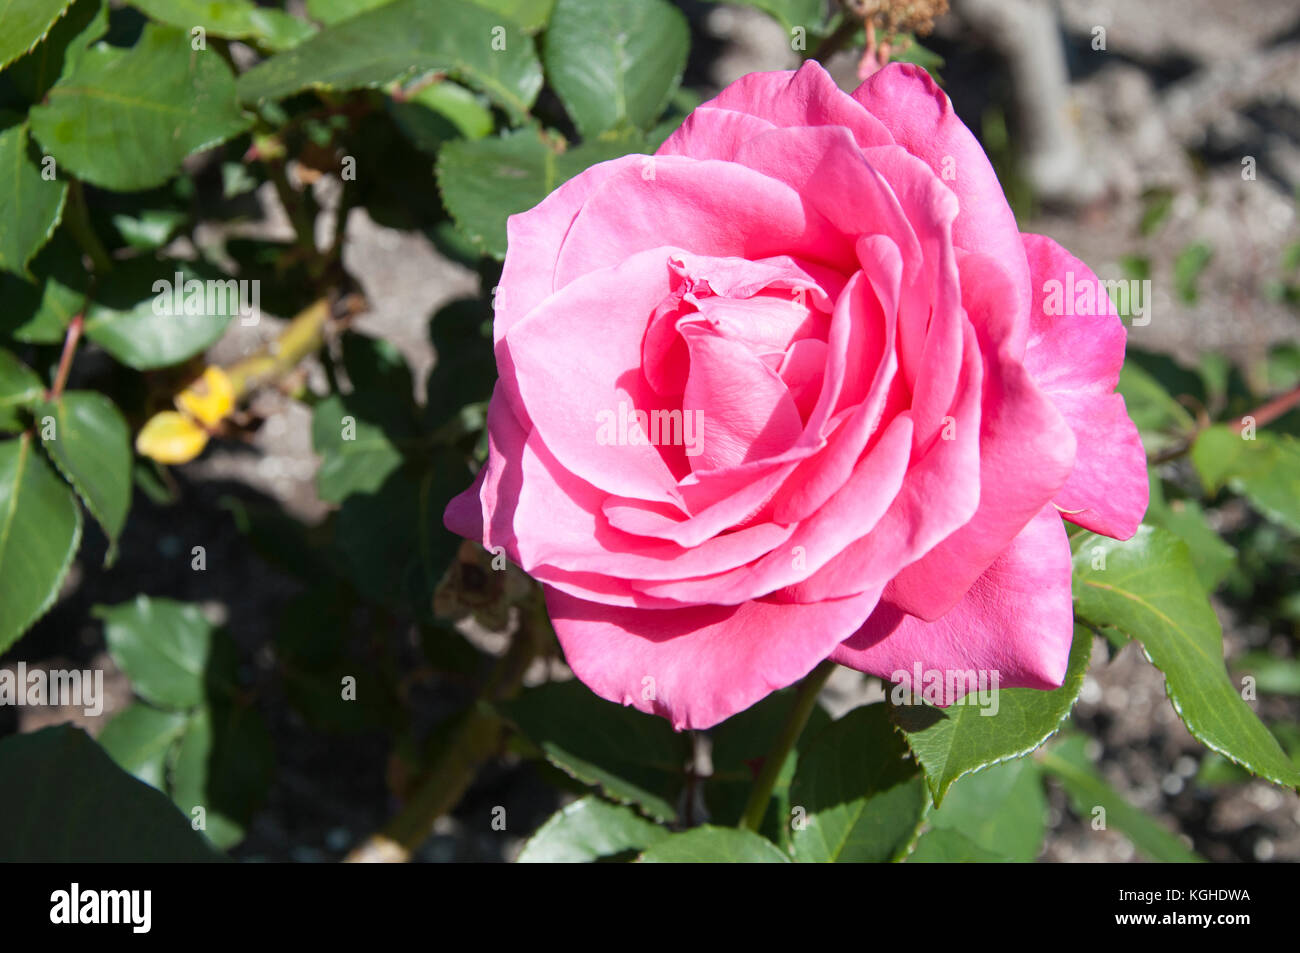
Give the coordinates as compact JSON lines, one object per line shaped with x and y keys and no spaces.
{"x":699,"y":665}
{"x":744,"y":407}
{"x":805,"y":97}
{"x":920,"y":118}
{"x":705,"y":207}
{"x":1026,"y":454}
{"x":577,"y":360}
{"x":1016,"y":620}
{"x":1076,"y":360}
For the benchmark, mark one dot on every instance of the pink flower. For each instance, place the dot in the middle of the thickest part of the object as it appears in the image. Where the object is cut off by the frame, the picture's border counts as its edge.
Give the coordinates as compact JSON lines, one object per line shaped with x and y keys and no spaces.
{"x":883,"y":413}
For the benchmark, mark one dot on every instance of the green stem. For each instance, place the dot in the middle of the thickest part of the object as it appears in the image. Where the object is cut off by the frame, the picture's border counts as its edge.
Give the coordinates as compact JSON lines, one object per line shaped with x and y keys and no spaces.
{"x":295,"y":206}
{"x":805,"y":698}
{"x":478,"y":737}
{"x":77,"y":217}
{"x":842,"y":35}
{"x":302,"y":337}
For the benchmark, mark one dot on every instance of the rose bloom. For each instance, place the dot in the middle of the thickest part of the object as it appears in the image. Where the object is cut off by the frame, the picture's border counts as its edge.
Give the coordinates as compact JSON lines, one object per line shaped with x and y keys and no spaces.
{"x":797,"y":388}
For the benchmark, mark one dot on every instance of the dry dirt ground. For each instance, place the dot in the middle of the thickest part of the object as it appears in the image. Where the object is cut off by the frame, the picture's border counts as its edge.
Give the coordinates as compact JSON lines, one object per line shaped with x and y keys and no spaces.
{"x":1184,"y":90}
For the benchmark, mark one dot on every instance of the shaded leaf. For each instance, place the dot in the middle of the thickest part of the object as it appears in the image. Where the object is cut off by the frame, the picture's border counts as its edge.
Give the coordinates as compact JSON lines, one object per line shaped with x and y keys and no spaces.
{"x":861,"y":795}
{"x":224,"y":764}
{"x":1001,"y":809}
{"x":1087,"y":790}
{"x":139,"y":739}
{"x":633,"y":757}
{"x":19,"y":389}
{"x":75,"y":805}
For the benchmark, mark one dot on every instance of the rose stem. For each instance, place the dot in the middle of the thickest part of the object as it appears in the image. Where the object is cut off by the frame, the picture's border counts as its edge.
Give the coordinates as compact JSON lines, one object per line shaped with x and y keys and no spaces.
{"x":805,"y":699}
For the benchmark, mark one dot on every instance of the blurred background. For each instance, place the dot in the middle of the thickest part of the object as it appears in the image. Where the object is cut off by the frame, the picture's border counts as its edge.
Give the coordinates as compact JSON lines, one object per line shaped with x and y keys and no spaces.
{"x":1156,"y":140}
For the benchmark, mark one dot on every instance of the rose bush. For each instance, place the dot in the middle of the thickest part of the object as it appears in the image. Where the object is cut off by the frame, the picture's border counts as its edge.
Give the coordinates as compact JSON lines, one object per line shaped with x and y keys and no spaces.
{"x":893,"y":418}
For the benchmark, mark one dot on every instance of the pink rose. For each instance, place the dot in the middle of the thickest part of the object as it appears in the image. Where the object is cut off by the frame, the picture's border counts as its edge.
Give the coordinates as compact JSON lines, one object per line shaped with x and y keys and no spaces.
{"x":796,"y":387}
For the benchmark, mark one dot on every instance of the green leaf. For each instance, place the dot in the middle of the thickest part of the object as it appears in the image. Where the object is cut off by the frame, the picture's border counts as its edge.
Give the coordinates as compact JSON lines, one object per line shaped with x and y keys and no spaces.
{"x":1149,"y":590}
{"x":809,"y":14}
{"x":175,"y":101}
{"x":19,"y":389}
{"x":1274,"y":676}
{"x":862,"y":798}
{"x":1160,"y":419}
{"x":1001,"y":809}
{"x":91,"y":446}
{"x":125,"y":319}
{"x":392,"y":543}
{"x":531,"y":15}
{"x":1216,"y":769}
{"x":40,"y":313}
{"x":168,"y":649}
{"x":633,"y":757}
{"x":150,"y":229}
{"x":944,"y":846}
{"x":139,"y":738}
{"x":40,"y":529}
{"x":230,"y":19}
{"x":615,"y":62}
{"x":440,"y":112}
{"x":224,"y":764}
{"x":1189,"y":264}
{"x":589,"y":830}
{"x":75,"y":805}
{"x":24,"y":23}
{"x":954,"y":741}
{"x":330,"y":12}
{"x":1087,"y":790}
{"x":485,"y":181}
{"x":403,"y":39}
{"x":1265,"y":470}
{"x":1214,"y":559}
{"x":30,"y":205}
{"x":31,"y":76}
{"x":714,"y":845}
{"x":356,"y":455}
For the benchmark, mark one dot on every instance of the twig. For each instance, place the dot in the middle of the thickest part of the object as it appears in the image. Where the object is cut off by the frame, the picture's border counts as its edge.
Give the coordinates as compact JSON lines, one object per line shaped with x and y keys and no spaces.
{"x":70,"y":340}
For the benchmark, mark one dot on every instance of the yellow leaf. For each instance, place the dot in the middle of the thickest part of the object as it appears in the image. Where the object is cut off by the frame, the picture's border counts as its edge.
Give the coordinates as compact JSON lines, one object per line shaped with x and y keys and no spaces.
{"x":209,"y":399}
{"x":169,"y":437}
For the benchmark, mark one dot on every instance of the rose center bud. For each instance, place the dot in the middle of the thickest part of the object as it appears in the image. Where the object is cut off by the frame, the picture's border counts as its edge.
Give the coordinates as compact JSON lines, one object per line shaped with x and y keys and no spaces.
{"x":741,"y":347}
